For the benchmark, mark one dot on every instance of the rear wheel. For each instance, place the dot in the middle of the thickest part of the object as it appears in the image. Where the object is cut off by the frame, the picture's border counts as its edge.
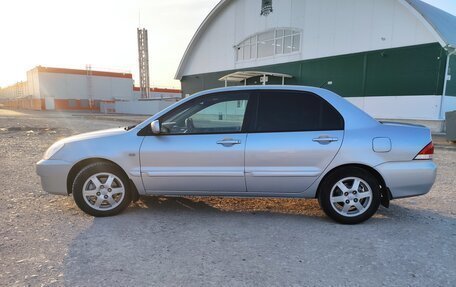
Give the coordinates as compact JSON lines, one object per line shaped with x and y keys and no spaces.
{"x":350,"y":195}
{"x":101,"y":189}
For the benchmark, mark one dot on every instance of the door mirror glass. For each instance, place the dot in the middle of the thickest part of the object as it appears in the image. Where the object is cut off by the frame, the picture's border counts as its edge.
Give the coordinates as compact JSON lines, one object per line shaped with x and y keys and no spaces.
{"x":155,"y":127}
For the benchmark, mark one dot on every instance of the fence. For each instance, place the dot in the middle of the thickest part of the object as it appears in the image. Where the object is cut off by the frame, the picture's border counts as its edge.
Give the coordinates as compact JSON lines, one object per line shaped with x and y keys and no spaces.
{"x":23,"y":103}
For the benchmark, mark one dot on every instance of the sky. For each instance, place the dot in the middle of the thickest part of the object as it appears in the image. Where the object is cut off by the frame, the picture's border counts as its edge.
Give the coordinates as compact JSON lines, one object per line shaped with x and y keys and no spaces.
{"x":102,"y":33}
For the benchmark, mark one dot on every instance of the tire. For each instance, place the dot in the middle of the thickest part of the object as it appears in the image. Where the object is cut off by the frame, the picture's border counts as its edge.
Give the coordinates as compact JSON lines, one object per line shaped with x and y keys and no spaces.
{"x":102,"y":189}
{"x":350,"y":195}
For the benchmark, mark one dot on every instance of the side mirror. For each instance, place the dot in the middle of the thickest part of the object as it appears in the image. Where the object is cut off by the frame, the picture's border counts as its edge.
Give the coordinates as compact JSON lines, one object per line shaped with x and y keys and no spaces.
{"x":155,"y":127}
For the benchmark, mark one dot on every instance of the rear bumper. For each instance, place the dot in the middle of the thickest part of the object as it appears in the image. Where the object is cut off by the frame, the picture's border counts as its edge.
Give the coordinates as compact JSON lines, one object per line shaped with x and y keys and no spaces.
{"x":411,"y":178}
{"x":53,"y":175}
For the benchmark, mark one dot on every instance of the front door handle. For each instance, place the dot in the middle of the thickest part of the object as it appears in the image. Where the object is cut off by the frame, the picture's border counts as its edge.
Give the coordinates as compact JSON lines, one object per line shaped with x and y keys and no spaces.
{"x":228,"y":142}
{"x":325,"y":139}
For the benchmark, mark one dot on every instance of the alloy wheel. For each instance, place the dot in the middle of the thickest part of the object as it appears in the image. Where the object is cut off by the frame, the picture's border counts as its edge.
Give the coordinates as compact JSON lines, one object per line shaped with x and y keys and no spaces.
{"x":351,"y":196}
{"x":103,"y":191}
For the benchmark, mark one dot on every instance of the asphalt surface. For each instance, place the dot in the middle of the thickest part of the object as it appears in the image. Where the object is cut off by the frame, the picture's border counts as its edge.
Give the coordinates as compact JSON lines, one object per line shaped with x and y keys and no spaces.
{"x":45,"y":240}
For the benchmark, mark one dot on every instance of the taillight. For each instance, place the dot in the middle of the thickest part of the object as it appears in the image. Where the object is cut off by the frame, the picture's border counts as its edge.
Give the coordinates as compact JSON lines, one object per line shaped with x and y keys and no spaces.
{"x":427,"y":152}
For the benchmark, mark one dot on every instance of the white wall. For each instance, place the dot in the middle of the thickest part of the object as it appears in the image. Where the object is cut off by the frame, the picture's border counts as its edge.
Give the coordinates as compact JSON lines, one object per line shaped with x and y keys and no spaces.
{"x":449,"y":104}
{"x":329,"y":28}
{"x":157,"y":95}
{"x":141,"y":107}
{"x":400,"y":107}
{"x":71,"y":86}
{"x":405,"y":107}
{"x":33,"y":84}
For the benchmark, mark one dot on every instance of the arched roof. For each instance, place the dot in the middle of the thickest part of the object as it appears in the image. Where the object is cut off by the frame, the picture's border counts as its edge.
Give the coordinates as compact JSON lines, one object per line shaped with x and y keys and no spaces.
{"x":442,"y":23}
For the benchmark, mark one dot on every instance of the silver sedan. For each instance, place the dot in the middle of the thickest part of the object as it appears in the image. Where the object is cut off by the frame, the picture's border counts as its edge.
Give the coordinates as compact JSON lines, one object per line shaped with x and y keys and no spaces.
{"x":253,"y":141}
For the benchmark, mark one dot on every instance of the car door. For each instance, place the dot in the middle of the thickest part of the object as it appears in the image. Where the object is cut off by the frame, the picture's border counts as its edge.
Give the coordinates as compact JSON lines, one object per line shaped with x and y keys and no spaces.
{"x":294,"y":137}
{"x":200,"y":148}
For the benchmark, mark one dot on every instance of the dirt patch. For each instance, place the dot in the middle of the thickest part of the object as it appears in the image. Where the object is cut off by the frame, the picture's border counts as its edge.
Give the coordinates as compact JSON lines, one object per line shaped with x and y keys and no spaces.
{"x":29,"y":131}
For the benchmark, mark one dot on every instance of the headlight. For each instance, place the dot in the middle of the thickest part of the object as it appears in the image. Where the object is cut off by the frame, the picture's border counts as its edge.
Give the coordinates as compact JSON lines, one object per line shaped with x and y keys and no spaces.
{"x":53,"y":149}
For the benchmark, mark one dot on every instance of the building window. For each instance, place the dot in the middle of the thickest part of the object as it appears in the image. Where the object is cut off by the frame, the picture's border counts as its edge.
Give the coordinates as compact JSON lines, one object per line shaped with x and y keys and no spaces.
{"x":268,"y":44}
{"x":266,"y":7}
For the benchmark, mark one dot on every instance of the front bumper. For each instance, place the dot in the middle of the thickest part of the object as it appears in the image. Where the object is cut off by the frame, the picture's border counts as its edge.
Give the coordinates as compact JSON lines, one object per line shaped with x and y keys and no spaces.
{"x":411,"y":178}
{"x":53,"y":175}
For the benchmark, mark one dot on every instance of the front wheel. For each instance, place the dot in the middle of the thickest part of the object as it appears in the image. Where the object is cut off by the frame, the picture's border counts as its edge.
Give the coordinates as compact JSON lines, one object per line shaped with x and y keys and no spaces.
{"x":350,"y":195}
{"x":101,"y":189}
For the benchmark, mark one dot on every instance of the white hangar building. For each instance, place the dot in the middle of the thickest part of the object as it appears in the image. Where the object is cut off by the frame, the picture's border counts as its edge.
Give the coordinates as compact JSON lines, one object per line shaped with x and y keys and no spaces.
{"x":392,"y":58}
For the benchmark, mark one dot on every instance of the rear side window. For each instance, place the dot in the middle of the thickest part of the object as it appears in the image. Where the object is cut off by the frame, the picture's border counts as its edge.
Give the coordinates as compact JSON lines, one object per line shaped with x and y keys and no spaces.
{"x":283,"y":111}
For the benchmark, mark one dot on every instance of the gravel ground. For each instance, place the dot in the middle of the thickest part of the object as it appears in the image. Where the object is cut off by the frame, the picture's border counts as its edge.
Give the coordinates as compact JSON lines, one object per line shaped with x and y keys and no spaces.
{"x":45,"y":240}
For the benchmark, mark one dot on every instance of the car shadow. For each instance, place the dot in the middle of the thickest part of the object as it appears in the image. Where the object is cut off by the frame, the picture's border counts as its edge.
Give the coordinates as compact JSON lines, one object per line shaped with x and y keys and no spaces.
{"x":254,"y":206}
{"x":198,"y":241}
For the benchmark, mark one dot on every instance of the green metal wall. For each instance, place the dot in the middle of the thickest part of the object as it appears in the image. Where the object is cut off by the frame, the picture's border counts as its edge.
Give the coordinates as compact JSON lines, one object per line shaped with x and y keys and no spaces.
{"x":414,"y":70}
{"x":451,"y":85}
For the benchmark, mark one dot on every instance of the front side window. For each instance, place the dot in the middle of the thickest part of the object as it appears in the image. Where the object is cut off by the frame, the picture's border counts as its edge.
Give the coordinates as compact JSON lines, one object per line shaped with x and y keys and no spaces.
{"x":269,"y":43}
{"x":282,"y":111}
{"x":208,"y":115}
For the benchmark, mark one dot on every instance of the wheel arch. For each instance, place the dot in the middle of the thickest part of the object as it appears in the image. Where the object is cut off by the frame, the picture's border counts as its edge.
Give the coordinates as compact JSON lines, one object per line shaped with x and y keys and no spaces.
{"x":76,"y":168}
{"x":385,"y":192}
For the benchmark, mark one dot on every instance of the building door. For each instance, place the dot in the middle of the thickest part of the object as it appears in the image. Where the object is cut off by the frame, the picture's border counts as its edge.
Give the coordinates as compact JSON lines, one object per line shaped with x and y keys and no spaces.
{"x":49,"y":103}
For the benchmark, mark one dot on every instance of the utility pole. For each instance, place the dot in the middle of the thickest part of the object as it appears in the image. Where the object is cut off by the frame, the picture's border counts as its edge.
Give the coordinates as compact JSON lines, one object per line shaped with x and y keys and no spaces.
{"x":143,"y":56}
{"x":89,"y":85}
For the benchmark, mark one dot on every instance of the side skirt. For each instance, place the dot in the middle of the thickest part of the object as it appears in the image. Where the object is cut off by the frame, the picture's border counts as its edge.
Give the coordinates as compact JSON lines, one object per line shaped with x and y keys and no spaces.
{"x":228,"y":194}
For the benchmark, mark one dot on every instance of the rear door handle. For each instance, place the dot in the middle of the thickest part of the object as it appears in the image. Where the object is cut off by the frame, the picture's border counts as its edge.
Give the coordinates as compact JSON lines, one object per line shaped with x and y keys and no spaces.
{"x":228,"y":142}
{"x":325,"y":140}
